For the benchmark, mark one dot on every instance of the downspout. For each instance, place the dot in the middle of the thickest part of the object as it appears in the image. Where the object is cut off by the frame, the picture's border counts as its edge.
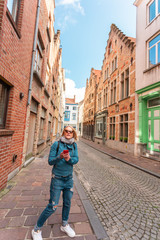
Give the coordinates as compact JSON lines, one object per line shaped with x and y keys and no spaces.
{"x":33,"y":52}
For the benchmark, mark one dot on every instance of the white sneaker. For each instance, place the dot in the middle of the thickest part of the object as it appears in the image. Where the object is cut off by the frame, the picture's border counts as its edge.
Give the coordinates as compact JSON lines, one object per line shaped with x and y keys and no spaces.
{"x":67,"y":229}
{"x":37,"y":235}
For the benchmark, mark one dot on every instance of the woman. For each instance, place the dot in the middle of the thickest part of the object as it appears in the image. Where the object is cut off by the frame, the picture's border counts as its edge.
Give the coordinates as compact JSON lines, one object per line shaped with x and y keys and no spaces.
{"x":62,"y":180}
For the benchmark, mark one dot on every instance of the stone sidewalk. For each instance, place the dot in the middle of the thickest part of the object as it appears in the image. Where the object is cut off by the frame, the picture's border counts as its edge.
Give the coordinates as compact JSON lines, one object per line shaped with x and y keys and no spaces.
{"x":145,"y":164}
{"x":21,"y":206}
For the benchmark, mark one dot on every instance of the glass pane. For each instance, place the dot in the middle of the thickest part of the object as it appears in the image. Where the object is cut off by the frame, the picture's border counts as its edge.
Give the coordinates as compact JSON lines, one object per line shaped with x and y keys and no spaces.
{"x":149,"y":129}
{"x":10,"y":5}
{"x":158,"y":6}
{"x":152,"y":56}
{"x":154,"y":40}
{"x":3,"y":96}
{"x":156,"y":113}
{"x":152,"y":11}
{"x":157,"y":146}
{"x":154,"y":102}
{"x":156,"y":130}
{"x":126,"y":129}
{"x":149,"y":114}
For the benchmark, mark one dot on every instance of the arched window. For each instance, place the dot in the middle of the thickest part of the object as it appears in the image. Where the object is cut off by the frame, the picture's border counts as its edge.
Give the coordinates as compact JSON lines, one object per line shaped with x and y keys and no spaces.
{"x":110,"y":48}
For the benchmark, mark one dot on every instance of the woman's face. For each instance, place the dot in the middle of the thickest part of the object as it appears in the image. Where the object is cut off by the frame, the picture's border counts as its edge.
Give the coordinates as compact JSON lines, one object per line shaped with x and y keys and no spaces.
{"x":68,"y":133}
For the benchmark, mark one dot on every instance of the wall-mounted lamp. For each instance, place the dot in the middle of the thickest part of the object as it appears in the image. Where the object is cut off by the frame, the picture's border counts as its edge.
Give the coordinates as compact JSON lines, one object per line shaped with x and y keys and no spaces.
{"x":21,"y":95}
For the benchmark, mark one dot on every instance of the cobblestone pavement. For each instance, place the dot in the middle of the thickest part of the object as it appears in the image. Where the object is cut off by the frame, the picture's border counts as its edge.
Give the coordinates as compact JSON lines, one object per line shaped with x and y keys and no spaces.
{"x":21,"y":206}
{"x":126,"y":199}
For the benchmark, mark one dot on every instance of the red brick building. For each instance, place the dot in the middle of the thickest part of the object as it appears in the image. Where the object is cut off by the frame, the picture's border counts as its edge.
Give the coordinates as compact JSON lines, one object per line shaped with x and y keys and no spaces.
{"x":29,"y":50}
{"x":90,"y":104}
{"x":115,"y":112}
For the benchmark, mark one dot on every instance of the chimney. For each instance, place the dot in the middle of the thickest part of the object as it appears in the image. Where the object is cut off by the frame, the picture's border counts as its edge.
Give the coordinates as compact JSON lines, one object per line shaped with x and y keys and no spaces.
{"x":74,"y":98}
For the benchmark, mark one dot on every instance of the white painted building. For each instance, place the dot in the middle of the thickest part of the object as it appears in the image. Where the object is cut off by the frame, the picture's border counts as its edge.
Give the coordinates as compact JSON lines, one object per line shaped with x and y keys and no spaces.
{"x":147,"y":125}
{"x":80,"y":118}
{"x":71,"y":112}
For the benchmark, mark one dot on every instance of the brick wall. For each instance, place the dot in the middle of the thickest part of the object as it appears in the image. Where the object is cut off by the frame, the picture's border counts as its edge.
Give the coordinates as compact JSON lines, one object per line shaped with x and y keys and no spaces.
{"x":16,"y":49}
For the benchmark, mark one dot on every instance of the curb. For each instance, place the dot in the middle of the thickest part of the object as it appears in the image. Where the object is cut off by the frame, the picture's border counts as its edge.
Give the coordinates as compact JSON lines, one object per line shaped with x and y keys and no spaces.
{"x":93,"y":218}
{"x":131,"y":164}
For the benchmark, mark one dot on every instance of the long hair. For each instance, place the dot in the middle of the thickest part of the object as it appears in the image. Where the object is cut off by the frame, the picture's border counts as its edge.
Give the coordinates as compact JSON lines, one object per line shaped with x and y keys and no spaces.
{"x":74,"y":132}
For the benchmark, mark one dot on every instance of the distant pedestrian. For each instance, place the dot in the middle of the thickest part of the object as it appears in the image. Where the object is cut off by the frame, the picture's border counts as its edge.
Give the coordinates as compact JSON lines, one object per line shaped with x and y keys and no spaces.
{"x":63,"y":155}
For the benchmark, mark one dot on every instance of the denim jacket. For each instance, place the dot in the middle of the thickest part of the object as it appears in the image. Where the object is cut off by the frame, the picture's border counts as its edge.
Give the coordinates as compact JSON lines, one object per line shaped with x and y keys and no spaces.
{"x":61,"y":167}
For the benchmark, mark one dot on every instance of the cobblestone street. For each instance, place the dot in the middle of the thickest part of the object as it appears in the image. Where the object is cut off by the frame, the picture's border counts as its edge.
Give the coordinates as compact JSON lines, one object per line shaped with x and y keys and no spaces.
{"x":126,"y":199}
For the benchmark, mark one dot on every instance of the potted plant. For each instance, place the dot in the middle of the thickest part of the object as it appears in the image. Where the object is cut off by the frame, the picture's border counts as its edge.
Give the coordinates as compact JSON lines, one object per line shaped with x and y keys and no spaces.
{"x":113,"y":137}
{"x":121,"y":139}
{"x":110,"y":137}
{"x":125,"y":139}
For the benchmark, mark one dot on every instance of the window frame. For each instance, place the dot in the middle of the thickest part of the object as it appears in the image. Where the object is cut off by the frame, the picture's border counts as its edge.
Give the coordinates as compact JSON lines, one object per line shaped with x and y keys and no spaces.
{"x":5,"y":106}
{"x":156,"y":50}
{"x":157,"y":10}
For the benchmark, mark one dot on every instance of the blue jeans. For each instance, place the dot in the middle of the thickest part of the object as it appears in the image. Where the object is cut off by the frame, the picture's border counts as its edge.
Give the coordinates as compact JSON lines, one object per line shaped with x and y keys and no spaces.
{"x":58,"y":184}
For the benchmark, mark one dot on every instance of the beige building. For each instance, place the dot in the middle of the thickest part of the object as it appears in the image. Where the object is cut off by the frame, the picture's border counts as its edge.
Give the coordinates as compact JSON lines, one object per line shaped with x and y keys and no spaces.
{"x":90,"y":104}
{"x":147,"y":128}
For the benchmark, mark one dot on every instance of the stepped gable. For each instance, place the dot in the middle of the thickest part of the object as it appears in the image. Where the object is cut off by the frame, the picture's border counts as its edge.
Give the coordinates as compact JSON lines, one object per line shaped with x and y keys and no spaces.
{"x":129,"y":41}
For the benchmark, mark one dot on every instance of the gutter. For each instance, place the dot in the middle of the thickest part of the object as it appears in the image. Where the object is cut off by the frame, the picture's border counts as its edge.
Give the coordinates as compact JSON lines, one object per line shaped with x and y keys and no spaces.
{"x":33,"y":52}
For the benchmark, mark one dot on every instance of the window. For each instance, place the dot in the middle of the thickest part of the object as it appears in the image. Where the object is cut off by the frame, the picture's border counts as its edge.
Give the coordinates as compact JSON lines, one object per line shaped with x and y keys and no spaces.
{"x":154,"y":102}
{"x":73,"y":116}
{"x":124,"y":128}
{"x":125,"y":84}
{"x":99,"y":101}
{"x":104,"y":97}
{"x":42,"y":123}
{"x":99,"y":126}
{"x":110,"y":48}
{"x":113,"y":92}
{"x":113,"y":68}
{"x":106,"y":103}
{"x":13,"y":7}
{"x":67,"y":116}
{"x":112,"y":128}
{"x":66,"y":107}
{"x":4,"y":93}
{"x":49,"y":125}
{"x":114,"y":64}
{"x":47,"y":76}
{"x":154,"y":51}
{"x":38,"y":58}
{"x":154,"y":9}
{"x":74,"y":108}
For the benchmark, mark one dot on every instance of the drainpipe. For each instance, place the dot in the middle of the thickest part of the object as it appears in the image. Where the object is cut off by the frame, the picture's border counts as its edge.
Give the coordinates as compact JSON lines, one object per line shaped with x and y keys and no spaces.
{"x":33,"y":52}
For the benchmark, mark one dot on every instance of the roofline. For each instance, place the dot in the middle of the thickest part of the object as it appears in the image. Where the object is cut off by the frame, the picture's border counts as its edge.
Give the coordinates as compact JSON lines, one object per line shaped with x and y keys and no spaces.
{"x":137,"y":2}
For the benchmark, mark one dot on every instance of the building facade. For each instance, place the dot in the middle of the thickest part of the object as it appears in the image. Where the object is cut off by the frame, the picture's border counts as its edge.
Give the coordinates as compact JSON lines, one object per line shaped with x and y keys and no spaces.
{"x":147,"y":128}
{"x":71,"y":112}
{"x":90,"y":104}
{"x":109,"y":103}
{"x":29,"y":70}
{"x":80,"y":118}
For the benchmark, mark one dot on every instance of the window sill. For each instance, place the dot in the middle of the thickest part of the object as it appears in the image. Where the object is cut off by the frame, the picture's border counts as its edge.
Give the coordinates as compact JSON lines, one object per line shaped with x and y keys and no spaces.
{"x":35,"y":73}
{"x":112,"y":104}
{"x":148,"y":69}
{"x":5,"y":132}
{"x":98,"y":137}
{"x":13,"y":23}
{"x":124,"y":99}
{"x":46,"y":92}
{"x":40,"y":142}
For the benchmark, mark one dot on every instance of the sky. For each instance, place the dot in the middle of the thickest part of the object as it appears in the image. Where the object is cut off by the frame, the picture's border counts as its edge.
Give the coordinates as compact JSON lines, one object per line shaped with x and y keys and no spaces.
{"x":84,"y":26}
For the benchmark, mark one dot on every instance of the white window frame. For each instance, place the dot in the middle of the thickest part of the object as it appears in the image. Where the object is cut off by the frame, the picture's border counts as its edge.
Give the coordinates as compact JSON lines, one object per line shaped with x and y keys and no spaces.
{"x":156,"y":44}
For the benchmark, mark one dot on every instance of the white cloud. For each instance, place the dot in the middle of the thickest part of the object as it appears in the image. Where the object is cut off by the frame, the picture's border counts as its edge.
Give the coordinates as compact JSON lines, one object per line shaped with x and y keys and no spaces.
{"x":71,"y":90}
{"x":74,"y":3}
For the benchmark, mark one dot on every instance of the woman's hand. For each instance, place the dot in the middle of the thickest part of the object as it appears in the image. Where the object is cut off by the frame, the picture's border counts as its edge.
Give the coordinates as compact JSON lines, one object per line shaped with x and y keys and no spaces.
{"x":66,"y":156}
